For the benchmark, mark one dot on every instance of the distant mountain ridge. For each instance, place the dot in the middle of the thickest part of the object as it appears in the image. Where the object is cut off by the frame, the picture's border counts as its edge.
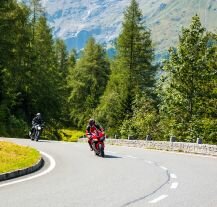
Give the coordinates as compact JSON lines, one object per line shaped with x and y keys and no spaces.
{"x":76,"y":20}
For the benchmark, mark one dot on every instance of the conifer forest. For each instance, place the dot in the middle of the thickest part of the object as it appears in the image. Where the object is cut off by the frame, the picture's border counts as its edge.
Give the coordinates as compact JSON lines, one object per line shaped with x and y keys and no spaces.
{"x":128,"y":94}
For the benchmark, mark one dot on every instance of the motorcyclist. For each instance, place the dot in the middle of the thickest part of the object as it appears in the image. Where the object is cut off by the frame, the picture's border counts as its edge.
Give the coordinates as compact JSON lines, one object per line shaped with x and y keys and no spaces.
{"x":37,"y":120}
{"x":91,"y":128}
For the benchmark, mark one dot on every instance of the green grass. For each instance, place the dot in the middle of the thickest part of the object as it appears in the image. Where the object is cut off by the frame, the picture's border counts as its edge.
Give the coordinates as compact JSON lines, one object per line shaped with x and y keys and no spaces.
{"x":70,"y":135}
{"x":14,"y":157}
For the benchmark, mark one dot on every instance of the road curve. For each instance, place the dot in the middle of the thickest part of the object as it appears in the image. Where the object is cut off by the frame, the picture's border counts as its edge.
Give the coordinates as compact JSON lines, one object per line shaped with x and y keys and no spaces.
{"x":125,"y":177}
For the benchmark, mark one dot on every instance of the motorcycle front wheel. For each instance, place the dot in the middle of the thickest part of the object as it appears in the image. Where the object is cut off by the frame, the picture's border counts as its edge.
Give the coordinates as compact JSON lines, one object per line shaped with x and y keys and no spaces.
{"x":37,"y":133}
{"x":101,"y":149}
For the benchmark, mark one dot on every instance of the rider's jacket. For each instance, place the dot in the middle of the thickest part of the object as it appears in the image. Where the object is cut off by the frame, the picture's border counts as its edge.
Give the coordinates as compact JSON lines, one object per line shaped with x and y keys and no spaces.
{"x":37,"y":121}
{"x":92,"y":129}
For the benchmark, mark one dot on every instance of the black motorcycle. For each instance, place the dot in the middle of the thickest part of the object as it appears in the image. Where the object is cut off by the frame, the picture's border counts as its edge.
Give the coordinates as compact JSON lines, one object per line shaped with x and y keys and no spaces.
{"x":35,"y":133}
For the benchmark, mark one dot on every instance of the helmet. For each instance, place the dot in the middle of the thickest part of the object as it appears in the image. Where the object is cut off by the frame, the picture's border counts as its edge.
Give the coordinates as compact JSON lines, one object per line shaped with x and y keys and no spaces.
{"x":38,"y":114}
{"x":91,"y":122}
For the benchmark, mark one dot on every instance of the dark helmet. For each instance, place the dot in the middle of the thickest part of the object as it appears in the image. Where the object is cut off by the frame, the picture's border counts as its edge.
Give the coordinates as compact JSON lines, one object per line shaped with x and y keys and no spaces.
{"x":91,"y":122}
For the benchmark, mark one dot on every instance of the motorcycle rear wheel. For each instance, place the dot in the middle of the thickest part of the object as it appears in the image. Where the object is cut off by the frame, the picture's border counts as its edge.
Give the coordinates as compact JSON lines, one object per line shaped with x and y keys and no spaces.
{"x":31,"y":136}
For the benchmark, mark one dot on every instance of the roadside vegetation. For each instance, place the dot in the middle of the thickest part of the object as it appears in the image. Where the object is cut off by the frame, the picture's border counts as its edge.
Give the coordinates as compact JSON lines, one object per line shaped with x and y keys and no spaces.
{"x":70,"y":135}
{"x":128,"y":94}
{"x":14,"y":157}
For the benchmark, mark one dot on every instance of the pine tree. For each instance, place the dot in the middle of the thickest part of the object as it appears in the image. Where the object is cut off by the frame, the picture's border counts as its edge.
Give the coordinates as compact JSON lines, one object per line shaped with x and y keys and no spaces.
{"x":30,"y":79}
{"x":37,"y":11}
{"x":87,"y":82}
{"x":72,"y":59}
{"x":134,"y":49}
{"x":189,"y":87}
{"x":14,"y":44}
{"x":61,"y":56}
{"x":132,"y":72}
{"x":46,"y":75}
{"x":65,"y":63}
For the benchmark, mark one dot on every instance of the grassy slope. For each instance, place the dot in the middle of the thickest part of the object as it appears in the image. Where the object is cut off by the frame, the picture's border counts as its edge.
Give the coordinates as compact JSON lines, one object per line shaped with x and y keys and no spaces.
{"x":14,"y":157}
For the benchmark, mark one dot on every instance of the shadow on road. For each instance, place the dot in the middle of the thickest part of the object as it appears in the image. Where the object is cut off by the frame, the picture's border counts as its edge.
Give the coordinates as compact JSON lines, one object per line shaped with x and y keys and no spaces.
{"x":111,"y":156}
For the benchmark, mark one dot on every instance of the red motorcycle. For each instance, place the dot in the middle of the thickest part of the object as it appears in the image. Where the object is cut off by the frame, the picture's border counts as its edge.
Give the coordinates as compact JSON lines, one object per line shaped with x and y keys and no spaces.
{"x":98,"y":145}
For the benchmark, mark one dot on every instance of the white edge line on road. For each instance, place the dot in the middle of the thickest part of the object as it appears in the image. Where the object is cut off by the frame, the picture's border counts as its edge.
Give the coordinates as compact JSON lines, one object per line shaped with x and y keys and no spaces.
{"x":173,"y":176}
{"x":164,"y":168}
{"x":158,"y":199}
{"x":174,"y":185}
{"x":49,"y":169}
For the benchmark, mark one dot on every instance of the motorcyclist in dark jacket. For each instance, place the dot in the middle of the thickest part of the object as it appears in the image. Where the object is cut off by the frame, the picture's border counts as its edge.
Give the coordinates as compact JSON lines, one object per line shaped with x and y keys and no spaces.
{"x":37,"y":120}
{"x":92,"y":127}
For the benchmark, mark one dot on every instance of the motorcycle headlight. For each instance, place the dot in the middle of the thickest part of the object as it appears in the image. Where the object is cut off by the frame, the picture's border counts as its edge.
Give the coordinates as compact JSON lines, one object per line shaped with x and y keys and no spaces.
{"x":39,"y":128}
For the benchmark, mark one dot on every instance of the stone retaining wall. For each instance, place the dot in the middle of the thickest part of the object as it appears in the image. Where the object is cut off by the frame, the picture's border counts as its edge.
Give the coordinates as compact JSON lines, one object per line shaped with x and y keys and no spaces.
{"x":204,"y":149}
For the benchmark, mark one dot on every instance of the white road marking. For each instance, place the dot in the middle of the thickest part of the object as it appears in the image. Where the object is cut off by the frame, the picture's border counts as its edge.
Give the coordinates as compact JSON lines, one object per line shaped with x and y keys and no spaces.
{"x":50,"y":168}
{"x":164,"y":168}
{"x":129,"y":156}
{"x":174,"y":185}
{"x":173,"y":176}
{"x":158,"y":199}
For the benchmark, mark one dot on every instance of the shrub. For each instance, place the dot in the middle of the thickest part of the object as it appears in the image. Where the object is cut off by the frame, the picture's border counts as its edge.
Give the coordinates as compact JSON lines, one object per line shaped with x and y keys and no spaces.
{"x":70,"y":135}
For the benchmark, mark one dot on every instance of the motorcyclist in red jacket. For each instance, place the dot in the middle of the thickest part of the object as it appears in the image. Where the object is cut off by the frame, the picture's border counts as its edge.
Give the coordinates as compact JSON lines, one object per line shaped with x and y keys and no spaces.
{"x":91,"y":128}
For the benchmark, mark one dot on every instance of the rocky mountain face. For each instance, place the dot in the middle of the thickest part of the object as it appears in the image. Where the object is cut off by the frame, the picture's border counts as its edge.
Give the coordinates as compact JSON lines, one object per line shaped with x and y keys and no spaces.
{"x":76,"y":20}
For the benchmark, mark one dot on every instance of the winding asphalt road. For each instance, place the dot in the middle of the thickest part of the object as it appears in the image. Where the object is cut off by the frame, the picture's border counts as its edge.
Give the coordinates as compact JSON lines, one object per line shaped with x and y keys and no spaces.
{"x":75,"y":177}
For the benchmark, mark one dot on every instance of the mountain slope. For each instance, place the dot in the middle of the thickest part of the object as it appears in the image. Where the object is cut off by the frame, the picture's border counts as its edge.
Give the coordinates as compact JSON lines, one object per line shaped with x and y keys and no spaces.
{"x":76,"y":20}
{"x":167,"y":23}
